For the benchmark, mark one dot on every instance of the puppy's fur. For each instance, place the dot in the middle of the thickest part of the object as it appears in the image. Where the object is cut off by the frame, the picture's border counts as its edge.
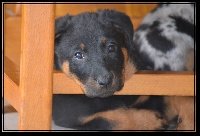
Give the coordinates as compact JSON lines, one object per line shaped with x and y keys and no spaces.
{"x":97,"y":50}
{"x":94,"y":49}
{"x":165,"y":39}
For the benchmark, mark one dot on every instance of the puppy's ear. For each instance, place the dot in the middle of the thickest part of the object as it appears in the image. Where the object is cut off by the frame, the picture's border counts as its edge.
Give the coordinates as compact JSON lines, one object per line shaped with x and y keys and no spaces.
{"x":119,"y":20}
{"x":61,"y":25}
{"x":123,"y":23}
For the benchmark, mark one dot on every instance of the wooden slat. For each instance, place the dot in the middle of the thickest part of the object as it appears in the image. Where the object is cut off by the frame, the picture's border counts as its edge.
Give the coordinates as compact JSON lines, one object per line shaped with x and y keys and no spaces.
{"x":64,"y":85}
{"x":12,"y":70}
{"x":133,"y":10}
{"x":11,"y":92}
{"x":11,"y":83}
{"x":160,"y":83}
{"x":141,"y":83}
{"x":12,"y":39}
{"x":36,"y":70}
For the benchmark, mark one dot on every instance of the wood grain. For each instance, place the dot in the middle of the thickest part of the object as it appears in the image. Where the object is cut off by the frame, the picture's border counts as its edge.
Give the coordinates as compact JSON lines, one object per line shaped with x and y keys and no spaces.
{"x":12,"y":39}
{"x":11,"y":83}
{"x":11,"y":92}
{"x":133,"y":10}
{"x":141,"y":83}
{"x":160,"y":83}
{"x":36,"y":69}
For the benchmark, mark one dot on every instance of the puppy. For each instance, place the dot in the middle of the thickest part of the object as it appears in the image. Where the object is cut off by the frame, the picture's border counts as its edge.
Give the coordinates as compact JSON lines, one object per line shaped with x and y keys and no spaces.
{"x":94,"y":49}
{"x":165,"y":41}
{"x":165,"y":38}
{"x":97,"y":50}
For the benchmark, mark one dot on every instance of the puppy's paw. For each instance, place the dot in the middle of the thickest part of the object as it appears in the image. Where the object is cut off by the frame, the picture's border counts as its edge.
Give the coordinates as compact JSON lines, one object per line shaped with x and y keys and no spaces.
{"x":174,"y":122}
{"x":152,"y":120}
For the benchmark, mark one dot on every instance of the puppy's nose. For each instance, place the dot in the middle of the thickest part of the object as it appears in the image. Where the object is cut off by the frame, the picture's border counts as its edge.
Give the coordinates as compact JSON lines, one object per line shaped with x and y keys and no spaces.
{"x":104,"y":81}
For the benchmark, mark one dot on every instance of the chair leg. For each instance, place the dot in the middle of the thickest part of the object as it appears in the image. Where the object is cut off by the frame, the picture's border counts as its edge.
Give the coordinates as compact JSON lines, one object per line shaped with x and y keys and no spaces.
{"x":36,"y":69}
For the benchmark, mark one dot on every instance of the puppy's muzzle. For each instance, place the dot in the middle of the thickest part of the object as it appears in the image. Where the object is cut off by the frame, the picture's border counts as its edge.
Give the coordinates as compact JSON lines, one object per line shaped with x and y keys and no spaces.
{"x":104,"y":81}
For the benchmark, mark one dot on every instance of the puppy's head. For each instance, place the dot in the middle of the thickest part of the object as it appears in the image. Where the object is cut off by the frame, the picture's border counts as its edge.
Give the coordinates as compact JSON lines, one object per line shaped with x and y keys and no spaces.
{"x":94,"y":49}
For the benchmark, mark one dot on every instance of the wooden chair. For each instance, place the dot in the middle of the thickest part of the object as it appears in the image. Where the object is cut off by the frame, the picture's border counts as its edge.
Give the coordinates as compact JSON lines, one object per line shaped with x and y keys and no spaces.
{"x":30,"y":81}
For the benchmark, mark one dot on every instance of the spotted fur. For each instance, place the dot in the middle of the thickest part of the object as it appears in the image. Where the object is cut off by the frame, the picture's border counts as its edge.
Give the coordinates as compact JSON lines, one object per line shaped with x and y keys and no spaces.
{"x":165,"y":38}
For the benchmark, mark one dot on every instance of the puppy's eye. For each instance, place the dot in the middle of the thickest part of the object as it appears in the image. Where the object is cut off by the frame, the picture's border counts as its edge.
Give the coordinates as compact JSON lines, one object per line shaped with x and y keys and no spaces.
{"x":79,"y":55}
{"x":111,"y":48}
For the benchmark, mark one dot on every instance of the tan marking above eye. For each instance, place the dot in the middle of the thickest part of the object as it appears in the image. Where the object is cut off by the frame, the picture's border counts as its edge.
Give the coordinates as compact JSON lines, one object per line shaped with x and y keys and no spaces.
{"x":82,"y":46}
{"x":103,"y":40}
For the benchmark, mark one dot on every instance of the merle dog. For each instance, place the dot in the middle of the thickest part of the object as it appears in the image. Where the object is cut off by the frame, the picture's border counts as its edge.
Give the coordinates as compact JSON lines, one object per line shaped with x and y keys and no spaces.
{"x":97,"y":50}
{"x":165,"y":39}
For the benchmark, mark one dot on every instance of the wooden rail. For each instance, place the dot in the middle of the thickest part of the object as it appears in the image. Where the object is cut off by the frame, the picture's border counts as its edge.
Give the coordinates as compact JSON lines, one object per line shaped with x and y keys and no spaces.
{"x":141,"y":83}
{"x":36,"y":70}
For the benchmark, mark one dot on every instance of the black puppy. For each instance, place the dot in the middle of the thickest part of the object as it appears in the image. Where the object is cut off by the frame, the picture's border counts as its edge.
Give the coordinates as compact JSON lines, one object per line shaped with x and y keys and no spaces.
{"x":94,"y":49}
{"x":97,"y":51}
